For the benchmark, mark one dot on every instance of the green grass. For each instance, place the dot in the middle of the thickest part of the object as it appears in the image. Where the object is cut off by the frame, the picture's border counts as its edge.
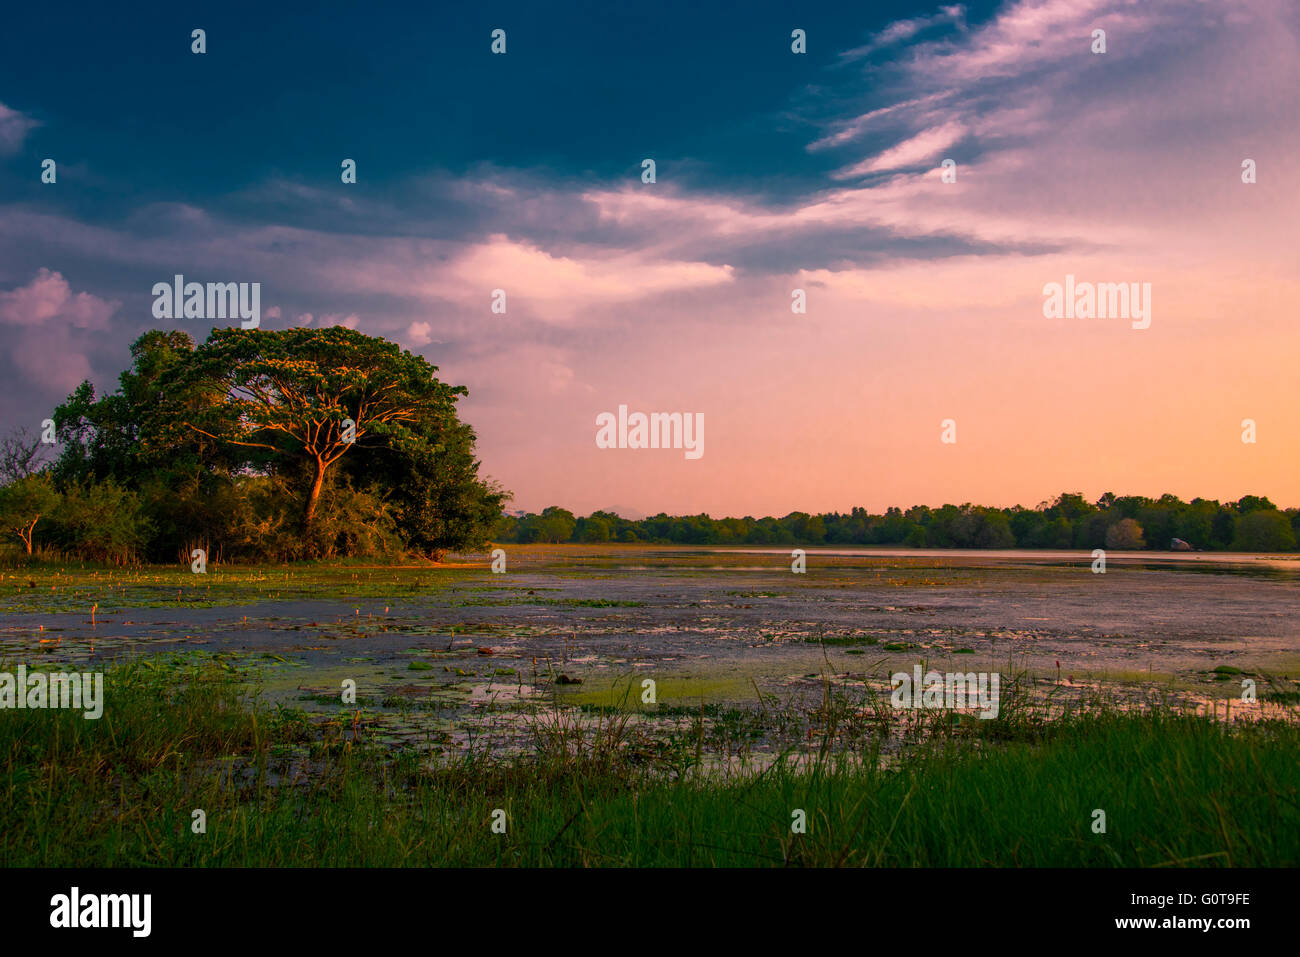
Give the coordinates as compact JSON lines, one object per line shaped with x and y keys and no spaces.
{"x":282,"y":789}
{"x":53,"y":588}
{"x":62,"y":587}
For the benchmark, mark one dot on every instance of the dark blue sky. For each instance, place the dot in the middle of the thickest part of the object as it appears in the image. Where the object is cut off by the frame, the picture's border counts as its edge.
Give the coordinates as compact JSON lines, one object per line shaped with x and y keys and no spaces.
{"x":585,"y":90}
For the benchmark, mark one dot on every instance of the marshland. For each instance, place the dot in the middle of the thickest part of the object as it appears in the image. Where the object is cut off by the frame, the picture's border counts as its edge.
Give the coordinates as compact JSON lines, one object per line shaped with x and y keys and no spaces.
{"x":634,"y":705}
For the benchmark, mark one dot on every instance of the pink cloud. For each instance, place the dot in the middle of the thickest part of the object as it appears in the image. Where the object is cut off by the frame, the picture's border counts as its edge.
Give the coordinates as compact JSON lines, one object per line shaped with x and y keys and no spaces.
{"x":901,"y":30}
{"x":49,"y":299}
{"x":50,"y":327}
{"x":919,"y":148}
{"x":419,"y":333}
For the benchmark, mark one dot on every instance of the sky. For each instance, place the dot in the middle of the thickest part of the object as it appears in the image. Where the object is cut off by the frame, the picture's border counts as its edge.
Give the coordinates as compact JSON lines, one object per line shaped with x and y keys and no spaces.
{"x":775,"y":171}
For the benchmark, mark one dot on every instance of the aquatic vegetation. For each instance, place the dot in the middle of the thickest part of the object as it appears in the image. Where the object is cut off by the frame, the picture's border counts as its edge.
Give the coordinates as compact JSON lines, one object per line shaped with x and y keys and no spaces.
{"x":284,"y":787}
{"x":767,"y":688}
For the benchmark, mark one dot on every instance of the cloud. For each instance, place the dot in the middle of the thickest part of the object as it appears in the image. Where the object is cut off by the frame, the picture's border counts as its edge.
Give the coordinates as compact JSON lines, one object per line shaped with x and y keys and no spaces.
{"x":51,"y":336}
{"x":1029,"y":34}
{"x":845,"y":131}
{"x":901,"y":30}
{"x":48,"y":300}
{"x":419,"y":333}
{"x":911,"y":152}
{"x":14,"y":127}
{"x":560,"y":283}
{"x":1058,"y":149}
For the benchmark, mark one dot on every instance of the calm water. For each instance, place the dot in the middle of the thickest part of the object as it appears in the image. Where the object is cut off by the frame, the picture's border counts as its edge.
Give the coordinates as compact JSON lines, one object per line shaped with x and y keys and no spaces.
{"x":1281,"y":560}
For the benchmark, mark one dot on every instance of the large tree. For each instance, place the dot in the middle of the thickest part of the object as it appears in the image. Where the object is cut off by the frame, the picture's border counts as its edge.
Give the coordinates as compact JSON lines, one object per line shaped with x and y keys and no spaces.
{"x":206,"y":433}
{"x":312,"y":395}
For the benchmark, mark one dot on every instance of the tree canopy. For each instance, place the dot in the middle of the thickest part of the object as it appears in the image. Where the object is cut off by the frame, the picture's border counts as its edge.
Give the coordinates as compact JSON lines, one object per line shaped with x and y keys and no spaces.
{"x":283,"y":443}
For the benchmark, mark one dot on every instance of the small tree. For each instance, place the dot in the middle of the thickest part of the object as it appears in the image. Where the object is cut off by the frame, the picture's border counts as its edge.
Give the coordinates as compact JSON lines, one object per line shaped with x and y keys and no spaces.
{"x":24,"y":502}
{"x":1125,"y":534}
{"x":103,"y":521}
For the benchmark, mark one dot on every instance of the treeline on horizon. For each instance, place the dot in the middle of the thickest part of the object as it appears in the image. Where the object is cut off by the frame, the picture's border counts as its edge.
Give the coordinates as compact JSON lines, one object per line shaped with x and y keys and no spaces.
{"x":1252,"y":524}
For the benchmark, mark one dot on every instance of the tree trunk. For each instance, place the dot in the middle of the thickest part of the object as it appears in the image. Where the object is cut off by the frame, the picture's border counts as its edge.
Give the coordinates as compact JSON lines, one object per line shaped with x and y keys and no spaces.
{"x":313,"y":497}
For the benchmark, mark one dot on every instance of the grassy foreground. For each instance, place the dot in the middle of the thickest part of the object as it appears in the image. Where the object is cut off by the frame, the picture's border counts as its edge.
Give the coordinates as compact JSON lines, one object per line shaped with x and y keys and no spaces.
{"x":279,"y":791}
